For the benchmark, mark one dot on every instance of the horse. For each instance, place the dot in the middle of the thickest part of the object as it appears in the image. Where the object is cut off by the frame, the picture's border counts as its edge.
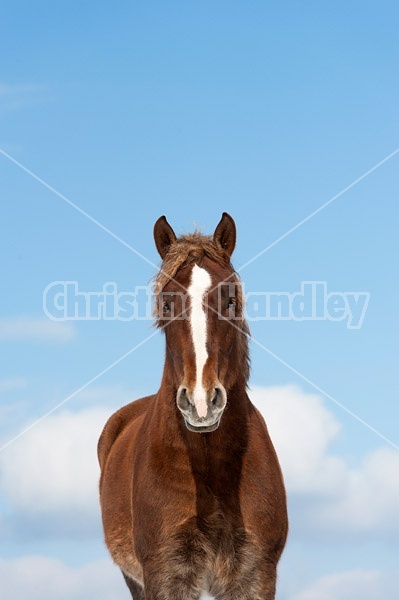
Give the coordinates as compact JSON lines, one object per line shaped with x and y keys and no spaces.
{"x":192,"y":495}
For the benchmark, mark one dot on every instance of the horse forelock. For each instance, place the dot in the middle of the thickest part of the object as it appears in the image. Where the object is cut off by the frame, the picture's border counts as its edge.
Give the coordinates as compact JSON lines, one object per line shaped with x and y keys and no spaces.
{"x":188,"y":249}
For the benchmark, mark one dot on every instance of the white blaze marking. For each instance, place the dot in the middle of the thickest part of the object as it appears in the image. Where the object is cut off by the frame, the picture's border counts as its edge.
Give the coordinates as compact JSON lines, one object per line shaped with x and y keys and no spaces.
{"x":200,"y":283}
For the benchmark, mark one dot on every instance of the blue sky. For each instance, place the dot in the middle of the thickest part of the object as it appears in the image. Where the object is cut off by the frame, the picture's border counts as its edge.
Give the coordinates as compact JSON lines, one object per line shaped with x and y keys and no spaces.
{"x":267,"y":111}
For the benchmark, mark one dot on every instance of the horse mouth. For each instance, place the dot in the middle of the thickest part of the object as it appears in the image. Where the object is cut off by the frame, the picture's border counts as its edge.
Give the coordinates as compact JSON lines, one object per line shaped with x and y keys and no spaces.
{"x":202,"y":428}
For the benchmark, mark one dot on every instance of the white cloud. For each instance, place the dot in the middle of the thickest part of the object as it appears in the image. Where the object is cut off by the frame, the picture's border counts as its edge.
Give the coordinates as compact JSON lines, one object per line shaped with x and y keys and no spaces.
{"x":35,"y":329}
{"x":353,"y":585}
{"x":43,"y":578}
{"x":302,"y":430}
{"x":50,"y":479}
{"x":370,"y":500}
{"x":327,"y":495}
{"x":51,"y":474}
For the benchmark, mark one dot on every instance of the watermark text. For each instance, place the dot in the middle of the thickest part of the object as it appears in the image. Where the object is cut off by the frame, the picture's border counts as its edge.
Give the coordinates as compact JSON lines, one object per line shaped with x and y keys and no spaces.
{"x":64,"y":301}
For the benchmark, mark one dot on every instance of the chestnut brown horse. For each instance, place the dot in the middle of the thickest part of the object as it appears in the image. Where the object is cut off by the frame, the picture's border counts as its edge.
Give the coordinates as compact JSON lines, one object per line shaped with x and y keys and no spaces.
{"x":192,"y":495}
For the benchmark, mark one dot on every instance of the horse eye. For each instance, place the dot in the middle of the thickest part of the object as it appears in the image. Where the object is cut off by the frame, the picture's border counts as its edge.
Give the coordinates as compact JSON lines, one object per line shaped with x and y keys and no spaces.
{"x":166,"y":307}
{"x":231,"y":303}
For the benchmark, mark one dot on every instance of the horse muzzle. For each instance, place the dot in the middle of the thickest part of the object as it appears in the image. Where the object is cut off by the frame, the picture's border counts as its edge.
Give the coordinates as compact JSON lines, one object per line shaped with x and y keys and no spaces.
{"x":216,"y":401}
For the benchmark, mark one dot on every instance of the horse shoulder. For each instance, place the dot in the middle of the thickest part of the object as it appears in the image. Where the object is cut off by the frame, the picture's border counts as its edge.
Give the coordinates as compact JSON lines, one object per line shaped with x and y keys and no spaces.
{"x":263,"y":492}
{"x":117,"y":423}
{"x":261,"y":448}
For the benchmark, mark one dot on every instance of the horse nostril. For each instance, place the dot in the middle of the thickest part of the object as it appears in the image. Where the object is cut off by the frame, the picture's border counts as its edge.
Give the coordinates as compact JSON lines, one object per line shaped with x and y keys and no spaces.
{"x":182,"y":399}
{"x":218,"y":400}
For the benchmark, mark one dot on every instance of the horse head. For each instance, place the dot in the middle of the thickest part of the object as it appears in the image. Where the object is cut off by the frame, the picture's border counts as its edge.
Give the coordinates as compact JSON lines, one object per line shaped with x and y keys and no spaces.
{"x":199,"y":306}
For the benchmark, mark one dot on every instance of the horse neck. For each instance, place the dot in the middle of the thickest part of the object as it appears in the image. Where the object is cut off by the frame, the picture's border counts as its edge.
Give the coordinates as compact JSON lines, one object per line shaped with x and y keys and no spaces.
{"x":214,"y":459}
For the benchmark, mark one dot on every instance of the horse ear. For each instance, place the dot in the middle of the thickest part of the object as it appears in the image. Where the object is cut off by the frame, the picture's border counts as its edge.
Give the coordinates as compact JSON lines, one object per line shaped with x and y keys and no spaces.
{"x":164,"y":236}
{"x":225,"y":234}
